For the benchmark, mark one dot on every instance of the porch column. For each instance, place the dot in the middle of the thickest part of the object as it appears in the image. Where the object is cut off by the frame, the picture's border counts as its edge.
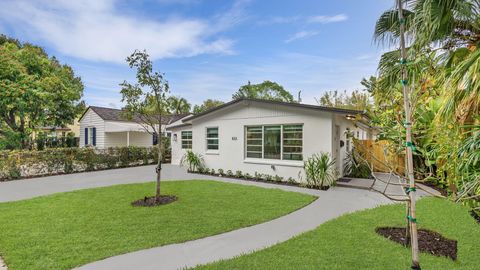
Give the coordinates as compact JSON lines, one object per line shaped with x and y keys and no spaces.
{"x":128,"y":138}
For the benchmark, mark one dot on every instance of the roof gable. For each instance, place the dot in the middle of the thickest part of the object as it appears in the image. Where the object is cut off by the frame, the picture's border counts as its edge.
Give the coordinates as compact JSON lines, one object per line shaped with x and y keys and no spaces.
{"x":272,"y":102}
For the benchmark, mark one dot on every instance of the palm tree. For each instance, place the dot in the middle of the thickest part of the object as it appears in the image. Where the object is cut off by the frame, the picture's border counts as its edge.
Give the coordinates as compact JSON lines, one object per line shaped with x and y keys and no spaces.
{"x":178,"y":105}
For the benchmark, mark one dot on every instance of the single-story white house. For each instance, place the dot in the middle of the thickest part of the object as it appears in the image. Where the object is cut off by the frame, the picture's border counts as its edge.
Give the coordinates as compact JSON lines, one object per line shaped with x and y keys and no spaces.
{"x":106,"y":127}
{"x":268,"y":137}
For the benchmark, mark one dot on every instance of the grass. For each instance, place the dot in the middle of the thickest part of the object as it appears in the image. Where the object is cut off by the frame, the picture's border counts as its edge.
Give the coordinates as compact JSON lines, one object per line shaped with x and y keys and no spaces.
{"x":350,"y":242}
{"x":65,"y":230}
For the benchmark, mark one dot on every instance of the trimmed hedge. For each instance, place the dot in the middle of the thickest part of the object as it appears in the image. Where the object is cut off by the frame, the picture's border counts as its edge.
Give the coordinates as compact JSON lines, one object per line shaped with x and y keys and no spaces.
{"x":25,"y":163}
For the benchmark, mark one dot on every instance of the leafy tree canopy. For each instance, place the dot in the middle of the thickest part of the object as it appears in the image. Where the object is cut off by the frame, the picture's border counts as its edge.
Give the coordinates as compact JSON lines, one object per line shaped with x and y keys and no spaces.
{"x":35,"y":90}
{"x":356,"y":100}
{"x":266,"y":90}
{"x":206,"y":105}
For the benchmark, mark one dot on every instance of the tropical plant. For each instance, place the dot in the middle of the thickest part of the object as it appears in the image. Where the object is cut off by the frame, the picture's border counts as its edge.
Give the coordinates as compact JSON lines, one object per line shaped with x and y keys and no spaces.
{"x":355,"y":167}
{"x":192,"y":161}
{"x":320,"y":171}
{"x":178,"y":105}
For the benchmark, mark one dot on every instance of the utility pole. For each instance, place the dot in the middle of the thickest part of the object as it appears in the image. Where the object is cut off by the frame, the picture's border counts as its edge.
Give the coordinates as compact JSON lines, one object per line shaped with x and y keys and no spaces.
{"x":409,"y":147}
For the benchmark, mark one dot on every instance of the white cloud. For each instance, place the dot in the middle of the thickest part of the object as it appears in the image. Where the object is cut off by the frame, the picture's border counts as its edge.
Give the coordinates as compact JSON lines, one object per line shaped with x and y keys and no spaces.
{"x":279,"y":20}
{"x":301,"y":35}
{"x":95,"y":30}
{"x":327,"y":19}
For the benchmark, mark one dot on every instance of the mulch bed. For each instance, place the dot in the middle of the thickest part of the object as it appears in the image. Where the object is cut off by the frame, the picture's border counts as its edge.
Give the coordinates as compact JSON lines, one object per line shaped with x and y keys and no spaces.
{"x":344,"y":180}
{"x":439,"y":189}
{"x":150,"y":201}
{"x":475,"y":215}
{"x":428,"y":241}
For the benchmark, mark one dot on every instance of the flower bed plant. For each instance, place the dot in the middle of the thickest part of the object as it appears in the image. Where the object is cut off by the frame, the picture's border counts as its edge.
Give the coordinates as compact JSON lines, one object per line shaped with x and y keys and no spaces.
{"x":25,"y":163}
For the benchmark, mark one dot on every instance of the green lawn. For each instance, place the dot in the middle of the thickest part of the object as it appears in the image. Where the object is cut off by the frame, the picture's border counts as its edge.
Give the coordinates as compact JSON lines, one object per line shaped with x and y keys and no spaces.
{"x":350,"y":242}
{"x":65,"y":230}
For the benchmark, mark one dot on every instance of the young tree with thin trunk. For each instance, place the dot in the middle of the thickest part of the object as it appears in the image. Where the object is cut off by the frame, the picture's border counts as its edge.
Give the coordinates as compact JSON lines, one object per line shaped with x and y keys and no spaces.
{"x":146,"y":102}
{"x":411,"y":210}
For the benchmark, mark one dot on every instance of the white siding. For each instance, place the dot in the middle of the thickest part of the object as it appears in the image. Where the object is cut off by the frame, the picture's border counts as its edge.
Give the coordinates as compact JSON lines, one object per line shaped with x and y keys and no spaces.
{"x":317,"y":137}
{"x":91,"y":119}
{"x":113,"y":139}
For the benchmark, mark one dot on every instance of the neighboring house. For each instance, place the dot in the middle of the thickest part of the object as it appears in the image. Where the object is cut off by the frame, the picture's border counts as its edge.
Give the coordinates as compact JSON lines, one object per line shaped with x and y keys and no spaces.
{"x":267,"y":137}
{"x":107,"y":127}
{"x":59,"y":132}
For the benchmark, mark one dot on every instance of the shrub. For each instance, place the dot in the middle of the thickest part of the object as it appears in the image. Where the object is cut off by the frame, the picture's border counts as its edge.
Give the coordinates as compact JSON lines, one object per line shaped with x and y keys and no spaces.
{"x":220,"y":171}
{"x":278,"y":178}
{"x":229,"y":173}
{"x":268,"y":177}
{"x":320,"y":171}
{"x":354,"y":167}
{"x":247,"y":176}
{"x":238,"y":174}
{"x":14,"y":164}
{"x":258,"y":176}
{"x":192,"y":160}
{"x":212,"y":172}
{"x":290,"y":180}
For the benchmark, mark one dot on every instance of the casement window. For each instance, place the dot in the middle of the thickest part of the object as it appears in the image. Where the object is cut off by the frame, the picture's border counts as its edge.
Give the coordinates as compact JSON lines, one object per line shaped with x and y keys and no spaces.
{"x":283,"y":142}
{"x":186,"y":139}
{"x":91,"y":136}
{"x":212,"y":138}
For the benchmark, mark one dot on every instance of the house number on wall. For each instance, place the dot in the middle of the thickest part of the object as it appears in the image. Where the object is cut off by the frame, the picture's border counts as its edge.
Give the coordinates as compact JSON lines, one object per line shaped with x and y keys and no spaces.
{"x":234,"y":138}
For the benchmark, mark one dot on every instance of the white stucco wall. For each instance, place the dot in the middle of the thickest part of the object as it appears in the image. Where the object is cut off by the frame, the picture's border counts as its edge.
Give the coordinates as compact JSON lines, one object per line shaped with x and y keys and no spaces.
{"x":176,"y":145}
{"x":91,"y":119}
{"x":232,"y":121}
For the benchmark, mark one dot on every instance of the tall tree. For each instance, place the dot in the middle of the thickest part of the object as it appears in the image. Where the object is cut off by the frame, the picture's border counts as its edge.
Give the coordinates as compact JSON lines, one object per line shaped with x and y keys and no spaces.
{"x":35,"y":90}
{"x":265,"y":90}
{"x":356,"y":100}
{"x":147,"y":102}
{"x":178,"y":105}
{"x":207,"y":105}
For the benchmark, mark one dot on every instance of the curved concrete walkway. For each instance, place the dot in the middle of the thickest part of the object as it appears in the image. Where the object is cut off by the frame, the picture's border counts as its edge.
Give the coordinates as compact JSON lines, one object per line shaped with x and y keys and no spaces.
{"x":330,"y":204}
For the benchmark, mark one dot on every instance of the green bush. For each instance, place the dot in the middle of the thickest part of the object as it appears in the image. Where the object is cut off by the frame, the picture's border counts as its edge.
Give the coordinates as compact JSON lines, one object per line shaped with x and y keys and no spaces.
{"x":67,"y":160}
{"x":238,"y":174}
{"x":320,"y":171}
{"x":193,"y":161}
{"x":355,"y":167}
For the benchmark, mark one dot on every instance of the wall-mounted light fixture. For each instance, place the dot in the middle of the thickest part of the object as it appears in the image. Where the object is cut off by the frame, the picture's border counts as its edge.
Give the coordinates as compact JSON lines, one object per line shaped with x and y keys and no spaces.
{"x":175,"y":137}
{"x":350,"y":117}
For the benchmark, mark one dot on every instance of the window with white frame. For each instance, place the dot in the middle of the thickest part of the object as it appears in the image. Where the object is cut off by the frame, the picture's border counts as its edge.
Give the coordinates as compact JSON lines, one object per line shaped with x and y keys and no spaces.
{"x":187,"y":139}
{"x":212,"y":138}
{"x":283,"y":142}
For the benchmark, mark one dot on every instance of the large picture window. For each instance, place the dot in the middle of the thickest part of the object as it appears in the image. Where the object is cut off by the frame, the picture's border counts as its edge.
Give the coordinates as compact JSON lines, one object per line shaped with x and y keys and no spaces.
{"x":275,"y":142}
{"x":212,"y":138}
{"x":186,"y":139}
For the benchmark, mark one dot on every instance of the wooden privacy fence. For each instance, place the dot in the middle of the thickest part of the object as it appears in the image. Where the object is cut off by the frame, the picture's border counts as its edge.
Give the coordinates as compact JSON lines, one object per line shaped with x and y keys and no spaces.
{"x":381,"y":156}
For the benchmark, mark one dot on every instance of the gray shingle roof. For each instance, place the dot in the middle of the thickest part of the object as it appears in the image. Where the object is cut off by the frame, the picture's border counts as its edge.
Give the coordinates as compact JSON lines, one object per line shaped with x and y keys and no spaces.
{"x":110,"y":114}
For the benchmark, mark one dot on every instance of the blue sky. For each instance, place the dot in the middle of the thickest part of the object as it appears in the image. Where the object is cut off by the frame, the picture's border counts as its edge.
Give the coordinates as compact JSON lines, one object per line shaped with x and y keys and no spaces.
{"x":206,"y":48}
